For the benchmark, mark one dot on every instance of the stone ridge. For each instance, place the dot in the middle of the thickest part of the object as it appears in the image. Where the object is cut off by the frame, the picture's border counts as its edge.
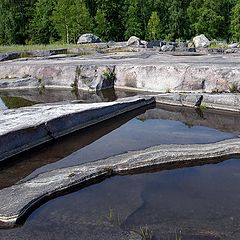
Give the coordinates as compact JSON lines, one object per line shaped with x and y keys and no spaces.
{"x":28,"y":127}
{"x":153,"y":72}
{"x":223,"y":101}
{"x":31,"y":193}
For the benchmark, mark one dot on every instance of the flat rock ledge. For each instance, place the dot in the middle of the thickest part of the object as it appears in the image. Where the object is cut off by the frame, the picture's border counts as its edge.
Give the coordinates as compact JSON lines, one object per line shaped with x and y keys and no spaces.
{"x":19,"y":200}
{"x":223,"y":101}
{"x":26,"y":128}
{"x":153,"y":72}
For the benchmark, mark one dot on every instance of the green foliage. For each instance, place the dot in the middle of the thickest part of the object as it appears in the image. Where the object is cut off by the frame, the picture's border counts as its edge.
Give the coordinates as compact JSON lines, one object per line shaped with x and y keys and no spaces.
{"x":233,"y":88}
{"x":146,"y":233}
{"x":206,"y":17}
{"x":109,"y":75}
{"x":235,"y":22}
{"x":16,"y":102}
{"x":113,"y":14}
{"x":14,"y":20}
{"x":101,"y":22}
{"x":41,"y":28}
{"x":154,"y":27}
{"x":133,"y":22}
{"x":71,"y":19}
{"x":47,"y":21}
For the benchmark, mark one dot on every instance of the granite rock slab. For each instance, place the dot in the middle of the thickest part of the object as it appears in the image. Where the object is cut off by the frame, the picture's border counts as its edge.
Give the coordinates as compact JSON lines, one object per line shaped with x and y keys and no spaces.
{"x":19,"y":200}
{"x":25,"y":128}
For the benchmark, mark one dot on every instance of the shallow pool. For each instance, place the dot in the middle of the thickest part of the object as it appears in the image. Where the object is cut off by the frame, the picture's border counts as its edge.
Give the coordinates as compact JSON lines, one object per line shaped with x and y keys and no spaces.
{"x":200,"y":202}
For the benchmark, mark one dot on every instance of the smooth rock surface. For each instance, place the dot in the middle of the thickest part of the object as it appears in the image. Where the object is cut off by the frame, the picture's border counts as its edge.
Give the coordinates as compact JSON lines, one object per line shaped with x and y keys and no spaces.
{"x":216,"y":101}
{"x":153,"y":72}
{"x":25,"y":195}
{"x":201,"y":41}
{"x":134,"y":41}
{"x":88,"y":38}
{"x":28,"y":127}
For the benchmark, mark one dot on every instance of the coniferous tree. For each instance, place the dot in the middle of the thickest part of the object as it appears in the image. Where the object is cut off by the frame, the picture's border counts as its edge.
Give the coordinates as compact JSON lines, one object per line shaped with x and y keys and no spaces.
{"x":14,"y":20}
{"x":113,"y":10}
{"x":154,"y":27}
{"x":235,"y":22}
{"x":101,"y":22}
{"x":41,"y":28}
{"x":133,"y":22}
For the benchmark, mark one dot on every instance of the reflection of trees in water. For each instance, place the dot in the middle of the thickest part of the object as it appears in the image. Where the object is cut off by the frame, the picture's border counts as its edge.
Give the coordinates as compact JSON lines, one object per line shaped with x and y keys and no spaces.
{"x":16,"y":102}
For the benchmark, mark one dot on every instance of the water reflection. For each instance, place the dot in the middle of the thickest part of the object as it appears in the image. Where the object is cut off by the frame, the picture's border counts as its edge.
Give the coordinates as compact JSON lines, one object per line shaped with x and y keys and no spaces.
{"x":15,"y":102}
{"x":220,"y":120}
{"x":27,"y":97}
{"x":21,"y":167}
{"x":190,"y":203}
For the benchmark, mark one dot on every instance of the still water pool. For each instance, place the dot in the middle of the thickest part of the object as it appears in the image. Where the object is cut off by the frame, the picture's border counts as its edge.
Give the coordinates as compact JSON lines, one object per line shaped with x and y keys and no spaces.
{"x":198,"y":202}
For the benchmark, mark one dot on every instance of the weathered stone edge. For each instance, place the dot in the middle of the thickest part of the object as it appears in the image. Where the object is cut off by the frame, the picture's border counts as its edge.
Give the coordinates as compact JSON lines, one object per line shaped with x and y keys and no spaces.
{"x":25,"y":195}
{"x":53,"y":129}
{"x":211,"y":101}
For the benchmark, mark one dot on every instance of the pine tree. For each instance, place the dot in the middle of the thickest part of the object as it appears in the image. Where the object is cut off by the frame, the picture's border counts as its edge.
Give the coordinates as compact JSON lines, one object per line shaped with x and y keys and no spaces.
{"x":14,"y":20}
{"x":113,"y":11}
{"x":154,"y":27}
{"x":177,"y":26}
{"x":101,"y":23}
{"x":133,"y":23}
{"x":235,"y":22}
{"x":41,"y":29}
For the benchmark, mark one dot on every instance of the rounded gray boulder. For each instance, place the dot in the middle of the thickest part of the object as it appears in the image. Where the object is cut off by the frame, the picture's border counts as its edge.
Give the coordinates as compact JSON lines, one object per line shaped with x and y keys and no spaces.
{"x":88,"y":38}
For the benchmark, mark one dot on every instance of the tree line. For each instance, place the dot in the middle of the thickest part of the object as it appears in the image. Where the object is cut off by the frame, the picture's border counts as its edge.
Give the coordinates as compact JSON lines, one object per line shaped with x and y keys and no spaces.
{"x":48,"y":21}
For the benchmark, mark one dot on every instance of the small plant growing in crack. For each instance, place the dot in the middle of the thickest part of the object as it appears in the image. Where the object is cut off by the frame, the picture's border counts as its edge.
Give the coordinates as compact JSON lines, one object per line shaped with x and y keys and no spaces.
{"x":109,"y":75}
{"x":74,"y":86}
{"x":233,"y":88}
{"x":41,"y":87}
{"x":168,"y":90}
{"x":146,"y":233}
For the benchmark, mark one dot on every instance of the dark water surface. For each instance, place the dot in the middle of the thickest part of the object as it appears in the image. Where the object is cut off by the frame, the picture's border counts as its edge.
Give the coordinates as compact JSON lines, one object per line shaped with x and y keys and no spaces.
{"x":201,"y":202}
{"x":189,"y":203}
{"x":27,"y":97}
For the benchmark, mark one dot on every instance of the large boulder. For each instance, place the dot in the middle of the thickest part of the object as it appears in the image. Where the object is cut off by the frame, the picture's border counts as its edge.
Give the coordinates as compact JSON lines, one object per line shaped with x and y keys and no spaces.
{"x":88,"y":38}
{"x":201,"y":41}
{"x":134,"y":41}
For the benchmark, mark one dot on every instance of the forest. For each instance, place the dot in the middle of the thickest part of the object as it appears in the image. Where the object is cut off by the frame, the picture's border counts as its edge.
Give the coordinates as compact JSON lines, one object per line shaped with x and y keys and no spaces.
{"x":49,"y":21}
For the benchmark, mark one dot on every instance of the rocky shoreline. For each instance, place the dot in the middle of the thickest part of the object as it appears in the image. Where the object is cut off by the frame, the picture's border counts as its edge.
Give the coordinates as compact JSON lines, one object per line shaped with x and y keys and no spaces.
{"x":26,"y":128}
{"x":26,"y":195}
